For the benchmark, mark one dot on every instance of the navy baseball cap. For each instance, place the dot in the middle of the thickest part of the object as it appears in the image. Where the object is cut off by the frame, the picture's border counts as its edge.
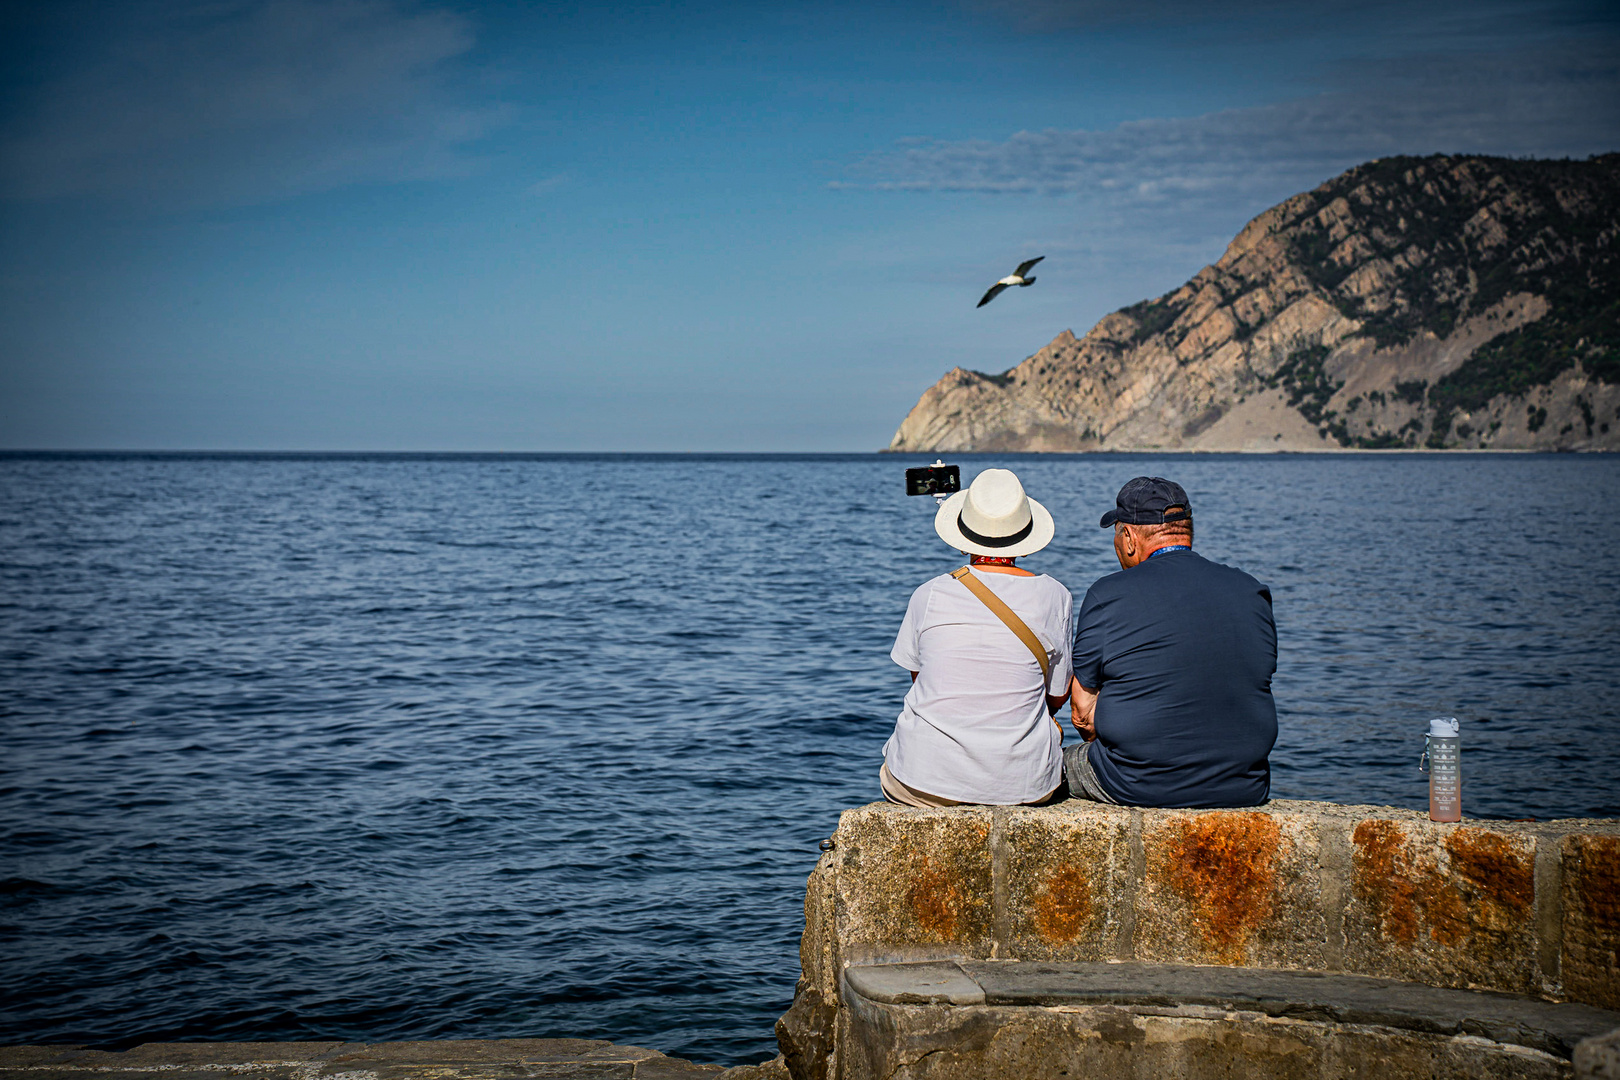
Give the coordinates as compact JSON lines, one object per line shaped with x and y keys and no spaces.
{"x":1146,"y":500}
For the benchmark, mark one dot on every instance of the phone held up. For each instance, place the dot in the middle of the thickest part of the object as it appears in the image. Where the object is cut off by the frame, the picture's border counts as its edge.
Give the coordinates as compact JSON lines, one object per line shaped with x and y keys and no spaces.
{"x":938,"y":479}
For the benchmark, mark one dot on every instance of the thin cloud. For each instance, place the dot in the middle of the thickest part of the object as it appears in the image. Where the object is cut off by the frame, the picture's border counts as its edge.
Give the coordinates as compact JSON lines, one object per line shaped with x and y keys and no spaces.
{"x":546,"y":186}
{"x":1048,"y":15}
{"x":1520,"y":105}
{"x":1407,"y":25}
{"x":246,"y":101}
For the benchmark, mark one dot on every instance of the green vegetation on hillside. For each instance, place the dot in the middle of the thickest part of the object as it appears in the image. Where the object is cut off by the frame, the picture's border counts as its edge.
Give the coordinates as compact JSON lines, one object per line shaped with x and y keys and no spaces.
{"x":1458,"y":235}
{"x":1582,"y":327}
{"x":1308,"y":386}
{"x":1152,"y":317}
{"x":1407,"y":246}
{"x":1452,"y":237}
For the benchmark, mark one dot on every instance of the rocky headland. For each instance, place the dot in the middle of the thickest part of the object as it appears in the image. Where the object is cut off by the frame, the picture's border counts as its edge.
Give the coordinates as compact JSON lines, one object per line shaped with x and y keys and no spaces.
{"x":1440,"y":302}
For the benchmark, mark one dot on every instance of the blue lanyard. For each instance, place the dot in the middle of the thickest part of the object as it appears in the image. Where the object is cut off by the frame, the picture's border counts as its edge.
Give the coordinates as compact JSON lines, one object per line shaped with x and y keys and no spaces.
{"x":1171,"y":547}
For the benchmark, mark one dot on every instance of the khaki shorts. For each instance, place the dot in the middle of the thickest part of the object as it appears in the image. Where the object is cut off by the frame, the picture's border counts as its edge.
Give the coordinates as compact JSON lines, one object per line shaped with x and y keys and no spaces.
{"x":897,"y":792}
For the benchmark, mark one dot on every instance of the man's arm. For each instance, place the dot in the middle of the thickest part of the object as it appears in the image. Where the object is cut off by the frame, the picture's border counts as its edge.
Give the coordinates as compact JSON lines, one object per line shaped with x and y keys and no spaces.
{"x":1083,"y":714}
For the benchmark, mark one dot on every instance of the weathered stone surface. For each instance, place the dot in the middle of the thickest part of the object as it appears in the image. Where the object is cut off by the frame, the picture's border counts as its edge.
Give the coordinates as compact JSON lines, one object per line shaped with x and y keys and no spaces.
{"x":1231,"y":887}
{"x":1521,"y":907}
{"x":1591,"y":905}
{"x":484,"y":1051}
{"x":1448,"y":904}
{"x":912,"y":884}
{"x":263,"y":1061}
{"x":1371,"y":889}
{"x":915,"y":984}
{"x":1059,"y":869}
{"x":910,"y":1042}
{"x":1300,"y":995}
{"x":774,"y":1069}
{"x":1598,"y":1058}
{"x":470,"y":1059}
{"x":807,"y":1033}
{"x":25,"y":1057}
{"x":210,"y":1053}
{"x":1138,"y":1020}
{"x":818,"y":947}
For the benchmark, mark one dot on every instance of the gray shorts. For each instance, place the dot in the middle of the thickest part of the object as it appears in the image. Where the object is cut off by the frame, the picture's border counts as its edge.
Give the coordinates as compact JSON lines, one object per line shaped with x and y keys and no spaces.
{"x":1082,"y":778}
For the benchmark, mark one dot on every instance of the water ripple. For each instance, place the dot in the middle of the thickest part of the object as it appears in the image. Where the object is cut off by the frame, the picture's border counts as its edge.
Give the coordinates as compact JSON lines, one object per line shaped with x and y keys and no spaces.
{"x":388,"y":748}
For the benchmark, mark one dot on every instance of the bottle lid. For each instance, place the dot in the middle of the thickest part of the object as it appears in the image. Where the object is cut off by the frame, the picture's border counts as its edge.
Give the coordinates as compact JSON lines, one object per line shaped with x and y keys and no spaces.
{"x":1444,"y":727}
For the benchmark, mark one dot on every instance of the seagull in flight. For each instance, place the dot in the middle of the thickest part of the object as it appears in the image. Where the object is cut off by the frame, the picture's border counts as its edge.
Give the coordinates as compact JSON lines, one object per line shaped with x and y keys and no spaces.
{"x":1015,"y":278}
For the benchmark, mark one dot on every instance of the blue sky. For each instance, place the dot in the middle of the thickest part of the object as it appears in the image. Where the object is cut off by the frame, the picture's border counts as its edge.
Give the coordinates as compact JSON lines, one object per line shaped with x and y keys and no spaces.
{"x":400,"y":225}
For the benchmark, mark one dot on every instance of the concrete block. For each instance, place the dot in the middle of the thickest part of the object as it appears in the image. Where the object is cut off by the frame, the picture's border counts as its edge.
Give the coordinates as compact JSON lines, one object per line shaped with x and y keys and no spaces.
{"x":1591,"y":909}
{"x":1064,"y":878}
{"x":913,"y":884}
{"x":1452,"y":905}
{"x":1236,"y":887}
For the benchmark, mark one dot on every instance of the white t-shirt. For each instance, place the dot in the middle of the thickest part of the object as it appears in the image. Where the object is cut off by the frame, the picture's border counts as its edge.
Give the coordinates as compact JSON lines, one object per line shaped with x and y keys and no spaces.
{"x":975,"y":726}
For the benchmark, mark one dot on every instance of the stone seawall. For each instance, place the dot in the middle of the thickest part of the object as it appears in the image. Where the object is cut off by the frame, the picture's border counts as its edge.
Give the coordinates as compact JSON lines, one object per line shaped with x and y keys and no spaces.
{"x":1524,"y":908}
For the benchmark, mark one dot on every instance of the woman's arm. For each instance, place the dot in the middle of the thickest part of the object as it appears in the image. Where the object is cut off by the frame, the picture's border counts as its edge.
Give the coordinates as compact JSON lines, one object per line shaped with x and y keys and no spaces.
{"x":1053,"y":704}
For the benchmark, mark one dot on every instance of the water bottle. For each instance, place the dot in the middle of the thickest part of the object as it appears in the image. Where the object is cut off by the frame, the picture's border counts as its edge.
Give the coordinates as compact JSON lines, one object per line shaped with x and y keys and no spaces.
{"x":1442,"y":751}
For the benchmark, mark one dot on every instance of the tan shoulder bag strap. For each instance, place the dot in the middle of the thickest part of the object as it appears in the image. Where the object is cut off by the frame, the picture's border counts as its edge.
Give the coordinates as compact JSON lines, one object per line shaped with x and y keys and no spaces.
{"x":1010,"y":617}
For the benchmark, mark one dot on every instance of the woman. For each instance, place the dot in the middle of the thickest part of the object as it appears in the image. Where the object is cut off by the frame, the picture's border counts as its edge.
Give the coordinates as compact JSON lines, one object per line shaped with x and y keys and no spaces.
{"x":977,"y":726}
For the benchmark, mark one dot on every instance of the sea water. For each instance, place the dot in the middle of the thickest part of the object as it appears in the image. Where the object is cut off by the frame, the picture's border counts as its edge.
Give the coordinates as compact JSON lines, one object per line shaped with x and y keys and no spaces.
{"x":372,"y":747}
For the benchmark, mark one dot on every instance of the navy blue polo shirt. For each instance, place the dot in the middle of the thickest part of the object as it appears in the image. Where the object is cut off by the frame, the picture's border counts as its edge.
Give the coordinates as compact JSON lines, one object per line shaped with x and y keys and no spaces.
{"x":1183,"y":651}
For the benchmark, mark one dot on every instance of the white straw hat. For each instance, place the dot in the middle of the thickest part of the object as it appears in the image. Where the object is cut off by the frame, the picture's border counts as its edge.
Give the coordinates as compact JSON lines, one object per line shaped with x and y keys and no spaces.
{"x":994,"y":517}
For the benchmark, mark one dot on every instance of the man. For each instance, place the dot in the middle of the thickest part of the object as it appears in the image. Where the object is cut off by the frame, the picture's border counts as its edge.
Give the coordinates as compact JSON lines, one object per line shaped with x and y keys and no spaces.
{"x":1173,"y":660}
{"x":977,"y":725}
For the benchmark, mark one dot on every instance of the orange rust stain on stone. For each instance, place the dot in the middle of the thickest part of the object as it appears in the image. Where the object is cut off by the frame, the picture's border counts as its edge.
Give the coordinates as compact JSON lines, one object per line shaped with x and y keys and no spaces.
{"x":1063,"y":906}
{"x":1502,"y":874}
{"x":934,"y":899}
{"x":1224,"y":867}
{"x":1490,"y":887}
{"x":1448,"y":915}
{"x":1384,"y":881}
{"x":1600,"y":883}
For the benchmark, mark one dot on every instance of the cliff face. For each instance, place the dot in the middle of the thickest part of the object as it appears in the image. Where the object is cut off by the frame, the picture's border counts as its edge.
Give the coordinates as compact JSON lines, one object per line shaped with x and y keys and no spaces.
{"x":1441,"y":302}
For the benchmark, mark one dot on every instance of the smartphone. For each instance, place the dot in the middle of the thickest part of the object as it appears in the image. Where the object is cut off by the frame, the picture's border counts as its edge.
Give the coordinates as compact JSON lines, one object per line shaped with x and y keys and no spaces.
{"x":933,"y":480}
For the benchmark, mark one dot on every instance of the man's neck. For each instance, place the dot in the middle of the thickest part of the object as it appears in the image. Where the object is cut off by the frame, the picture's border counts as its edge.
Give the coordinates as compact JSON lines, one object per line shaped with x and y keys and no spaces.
{"x":1148,"y":548}
{"x":1174,"y":545}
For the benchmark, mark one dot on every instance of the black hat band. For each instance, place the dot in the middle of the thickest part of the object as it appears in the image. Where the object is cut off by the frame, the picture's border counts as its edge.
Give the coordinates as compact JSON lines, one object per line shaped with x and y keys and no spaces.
{"x":995,"y":541}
